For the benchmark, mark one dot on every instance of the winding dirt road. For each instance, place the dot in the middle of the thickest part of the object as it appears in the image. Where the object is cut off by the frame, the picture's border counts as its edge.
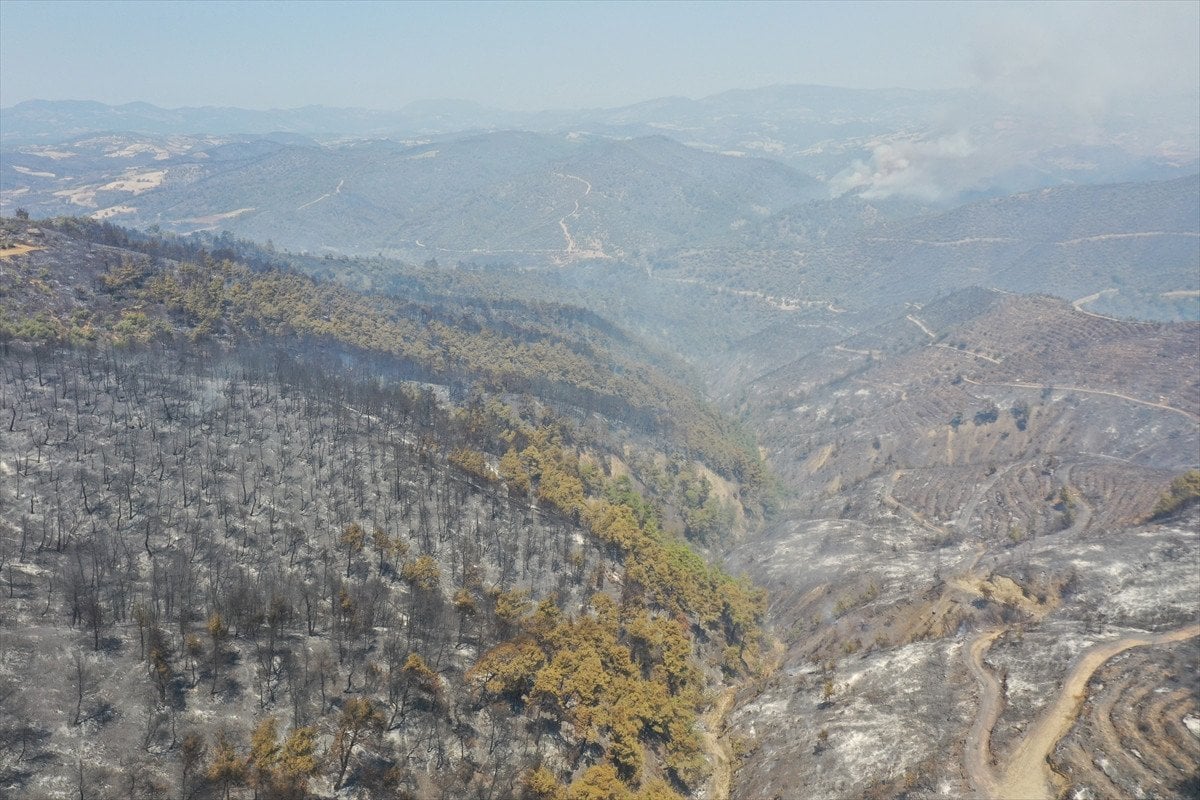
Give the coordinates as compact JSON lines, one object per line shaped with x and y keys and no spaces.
{"x":777,"y":302}
{"x":720,"y":754}
{"x":973,"y":353}
{"x":891,"y":502}
{"x":713,"y":734}
{"x":1027,"y":775}
{"x":978,"y":750}
{"x":573,"y":250}
{"x":1189,"y":415}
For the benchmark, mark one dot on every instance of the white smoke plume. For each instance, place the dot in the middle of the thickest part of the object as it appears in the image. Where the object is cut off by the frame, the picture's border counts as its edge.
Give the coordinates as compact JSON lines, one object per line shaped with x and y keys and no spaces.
{"x":1121,"y":77}
{"x":920,"y":168}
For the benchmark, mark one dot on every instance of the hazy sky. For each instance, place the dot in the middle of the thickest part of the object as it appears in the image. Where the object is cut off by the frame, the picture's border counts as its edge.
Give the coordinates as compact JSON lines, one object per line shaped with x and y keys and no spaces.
{"x":528,"y":56}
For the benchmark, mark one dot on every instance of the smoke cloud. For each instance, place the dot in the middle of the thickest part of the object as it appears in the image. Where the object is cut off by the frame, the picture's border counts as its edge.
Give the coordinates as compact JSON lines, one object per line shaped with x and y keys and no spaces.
{"x":920,"y":168}
{"x":1104,"y":79}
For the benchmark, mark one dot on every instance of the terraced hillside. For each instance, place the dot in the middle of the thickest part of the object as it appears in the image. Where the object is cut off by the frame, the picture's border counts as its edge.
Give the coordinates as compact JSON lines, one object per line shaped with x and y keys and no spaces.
{"x":951,"y":671}
{"x":1138,"y":728}
{"x":986,"y":413}
{"x":971,"y":489}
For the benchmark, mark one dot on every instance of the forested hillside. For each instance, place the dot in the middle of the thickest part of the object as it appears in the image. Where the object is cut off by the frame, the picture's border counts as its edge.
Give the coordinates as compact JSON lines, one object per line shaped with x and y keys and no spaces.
{"x":523,"y":198}
{"x":1141,"y":239}
{"x":262,"y":535}
{"x":72,"y":288}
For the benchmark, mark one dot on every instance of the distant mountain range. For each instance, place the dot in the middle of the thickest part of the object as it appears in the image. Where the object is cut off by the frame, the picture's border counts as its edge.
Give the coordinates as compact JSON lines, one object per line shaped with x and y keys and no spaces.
{"x":848,"y":137}
{"x":52,"y":120}
{"x":529,"y":199}
{"x":838,"y":110}
{"x":498,"y":196}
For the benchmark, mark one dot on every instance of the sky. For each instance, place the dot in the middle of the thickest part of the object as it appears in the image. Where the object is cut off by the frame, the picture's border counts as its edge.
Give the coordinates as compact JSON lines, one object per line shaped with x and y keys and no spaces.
{"x":531,"y":56}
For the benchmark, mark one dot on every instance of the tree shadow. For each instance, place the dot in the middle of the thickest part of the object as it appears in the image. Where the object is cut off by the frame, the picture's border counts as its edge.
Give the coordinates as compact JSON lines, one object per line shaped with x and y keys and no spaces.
{"x":23,"y":746}
{"x":1188,"y":787}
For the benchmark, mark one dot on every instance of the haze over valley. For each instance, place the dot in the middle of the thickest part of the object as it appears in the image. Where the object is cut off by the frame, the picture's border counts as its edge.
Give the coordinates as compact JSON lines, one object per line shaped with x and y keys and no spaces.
{"x":686,"y":430}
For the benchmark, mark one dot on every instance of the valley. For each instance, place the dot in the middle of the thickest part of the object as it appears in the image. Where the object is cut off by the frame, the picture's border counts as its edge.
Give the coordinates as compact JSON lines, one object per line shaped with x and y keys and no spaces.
{"x":659,"y":452}
{"x":959,"y":537}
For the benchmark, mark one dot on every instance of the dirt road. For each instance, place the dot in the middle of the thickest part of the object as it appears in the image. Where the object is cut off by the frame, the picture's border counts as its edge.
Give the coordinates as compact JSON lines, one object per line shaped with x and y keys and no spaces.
{"x":978,"y":749}
{"x":720,"y":754}
{"x":1188,"y":414}
{"x":921,"y":325}
{"x":891,"y":502}
{"x":573,"y":249}
{"x":337,"y":190}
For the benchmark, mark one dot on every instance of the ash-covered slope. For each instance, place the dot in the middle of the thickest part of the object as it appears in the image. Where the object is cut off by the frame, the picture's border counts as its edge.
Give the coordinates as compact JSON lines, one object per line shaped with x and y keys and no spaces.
{"x":968,"y":396}
{"x":301,"y":546}
{"x":974,"y":487}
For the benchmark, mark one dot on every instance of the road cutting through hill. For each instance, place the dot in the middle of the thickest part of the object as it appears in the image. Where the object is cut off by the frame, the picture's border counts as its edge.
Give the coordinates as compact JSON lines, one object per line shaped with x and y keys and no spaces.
{"x":1027,"y":775}
{"x":1044,"y":387}
{"x":780,"y":303}
{"x":1103,"y":237}
{"x":891,"y":502}
{"x":573,"y":250}
{"x":337,"y":190}
{"x":921,"y":325}
{"x":978,"y":749}
{"x":713,"y":734}
{"x":716,"y":744}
